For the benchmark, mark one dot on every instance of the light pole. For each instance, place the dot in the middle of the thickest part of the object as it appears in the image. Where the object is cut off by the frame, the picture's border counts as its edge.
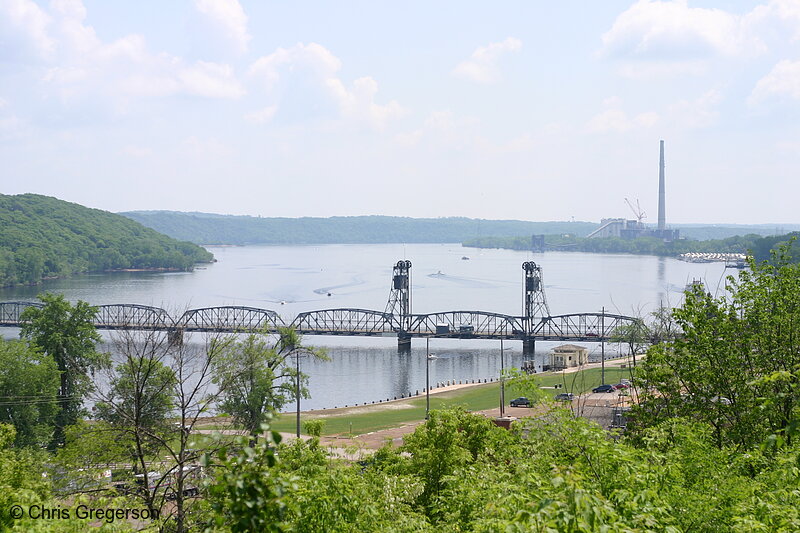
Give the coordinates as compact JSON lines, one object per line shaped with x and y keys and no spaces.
{"x":602,"y":346}
{"x":427,"y":376}
{"x":297,"y":369}
{"x":502,"y":383}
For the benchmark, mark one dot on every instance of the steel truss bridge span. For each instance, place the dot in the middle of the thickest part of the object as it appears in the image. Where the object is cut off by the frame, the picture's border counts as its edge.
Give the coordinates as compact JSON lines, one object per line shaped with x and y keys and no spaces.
{"x":346,"y":322}
{"x":478,"y":324}
{"x":121,"y":316}
{"x":589,"y":327}
{"x":229,"y":319}
{"x":397,"y":320}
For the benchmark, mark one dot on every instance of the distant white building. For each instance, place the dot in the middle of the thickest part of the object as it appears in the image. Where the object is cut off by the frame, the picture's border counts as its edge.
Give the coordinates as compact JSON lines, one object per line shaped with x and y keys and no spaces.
{"x":568,"y":356}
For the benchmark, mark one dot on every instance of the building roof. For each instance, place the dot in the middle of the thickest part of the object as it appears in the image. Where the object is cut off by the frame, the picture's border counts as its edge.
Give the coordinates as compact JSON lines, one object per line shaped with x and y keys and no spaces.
{"x":569,"y":348}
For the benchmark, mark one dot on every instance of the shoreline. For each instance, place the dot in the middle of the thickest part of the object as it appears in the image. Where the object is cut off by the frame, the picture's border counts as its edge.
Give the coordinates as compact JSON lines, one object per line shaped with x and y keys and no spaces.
{"x":397,"y":403}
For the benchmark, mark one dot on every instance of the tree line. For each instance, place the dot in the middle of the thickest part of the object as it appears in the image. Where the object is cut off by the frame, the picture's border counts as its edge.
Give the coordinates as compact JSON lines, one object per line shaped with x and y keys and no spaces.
{"x":43,"y":237}
{"x":760,"y":247}
{"x":204,"y":228}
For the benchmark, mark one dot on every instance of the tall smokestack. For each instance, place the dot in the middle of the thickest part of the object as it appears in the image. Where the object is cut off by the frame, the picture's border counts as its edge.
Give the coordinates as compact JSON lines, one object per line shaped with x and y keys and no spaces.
{"x":661,"y":214}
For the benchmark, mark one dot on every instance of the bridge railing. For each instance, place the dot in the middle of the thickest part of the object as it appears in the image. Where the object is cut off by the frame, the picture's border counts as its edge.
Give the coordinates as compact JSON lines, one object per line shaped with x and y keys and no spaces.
{"x":345,"y":321}
{"x":123,"y":316}
{"x":229,"y":319}
{"x":11,"y":311}
{"x":477,"y":323}
{"x":584,"y":326}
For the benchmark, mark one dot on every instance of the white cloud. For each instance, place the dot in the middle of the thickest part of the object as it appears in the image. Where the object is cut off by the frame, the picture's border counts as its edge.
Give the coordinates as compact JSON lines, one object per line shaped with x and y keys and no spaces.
{"x":698,"y":113}
{"x":133,"y":150}
{"x":783,"y":80}
{"x":615,"y":120}
{"x":320,"y":67}
{"x":211,"y":80}
{"x":785,"y":11}
{"x":11,"y":126}
{"x":262,"y":115}
{"x":444,"y":128}
{"x":648,"y":70}
{"x":675,"y":31}
{"x":359,"y":102}
{"x":210,"y":148}
{"x":482,"y":67}
{"x":314,"y":57}
{"x":24,"y":30}
{"x":74,"y":36}
{"x":84,"y":67}
{"x":231,"y":19}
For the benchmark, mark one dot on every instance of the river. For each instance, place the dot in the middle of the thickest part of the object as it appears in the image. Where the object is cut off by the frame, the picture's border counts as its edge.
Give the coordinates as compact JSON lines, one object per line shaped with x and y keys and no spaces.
{"x":293,"y":279}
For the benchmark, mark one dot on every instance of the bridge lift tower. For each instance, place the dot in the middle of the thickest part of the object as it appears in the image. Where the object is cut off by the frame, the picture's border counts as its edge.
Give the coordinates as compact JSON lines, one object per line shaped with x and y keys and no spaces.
{"x":535,"y":304}
{"x":399,"y":304}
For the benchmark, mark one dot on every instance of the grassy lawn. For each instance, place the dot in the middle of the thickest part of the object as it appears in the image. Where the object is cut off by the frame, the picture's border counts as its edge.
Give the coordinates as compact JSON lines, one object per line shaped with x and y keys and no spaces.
{"x":480,"y":397}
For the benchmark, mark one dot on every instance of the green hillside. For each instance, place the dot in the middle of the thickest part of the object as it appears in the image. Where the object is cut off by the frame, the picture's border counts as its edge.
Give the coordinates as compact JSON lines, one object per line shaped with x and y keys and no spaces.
{"x":204,"y":228}
{"x":208,"y":228}
{"x":43,"y":237}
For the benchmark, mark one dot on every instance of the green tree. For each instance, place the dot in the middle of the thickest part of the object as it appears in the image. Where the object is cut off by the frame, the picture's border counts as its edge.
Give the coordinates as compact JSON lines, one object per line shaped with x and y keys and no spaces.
{"x":636,"y":336}
{"x":21,"y":481}
{"x":66,"y":333}
{"x":447,"y":442}
{"x":29,"y":382}
{"x":246,"y":494}
{"x":258,"y":375}
{"x":138,"y":404}
{"x":713,"y":372}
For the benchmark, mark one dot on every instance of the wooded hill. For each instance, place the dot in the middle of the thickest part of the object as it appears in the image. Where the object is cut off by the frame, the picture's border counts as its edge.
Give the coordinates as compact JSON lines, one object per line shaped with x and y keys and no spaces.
{"x":205,"y":228}
{"x":43,"y":237}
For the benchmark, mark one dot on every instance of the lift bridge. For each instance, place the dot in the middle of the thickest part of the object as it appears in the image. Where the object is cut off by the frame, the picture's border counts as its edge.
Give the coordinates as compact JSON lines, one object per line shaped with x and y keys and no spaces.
{"x":397,"y":320}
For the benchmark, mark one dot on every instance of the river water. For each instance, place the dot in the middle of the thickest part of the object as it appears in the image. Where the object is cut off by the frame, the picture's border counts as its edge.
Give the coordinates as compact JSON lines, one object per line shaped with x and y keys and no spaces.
{"x":293,"y":279}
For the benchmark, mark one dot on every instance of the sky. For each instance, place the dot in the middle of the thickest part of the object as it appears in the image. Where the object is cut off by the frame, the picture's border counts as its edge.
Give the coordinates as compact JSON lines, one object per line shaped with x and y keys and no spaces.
{"x":514,"y":110}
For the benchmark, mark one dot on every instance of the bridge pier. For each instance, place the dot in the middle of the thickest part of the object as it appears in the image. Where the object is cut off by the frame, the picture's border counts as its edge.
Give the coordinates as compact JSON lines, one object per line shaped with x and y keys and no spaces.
{"x":528,"y":346}
{"x":175,"y":336}
{"x":403,"y":342}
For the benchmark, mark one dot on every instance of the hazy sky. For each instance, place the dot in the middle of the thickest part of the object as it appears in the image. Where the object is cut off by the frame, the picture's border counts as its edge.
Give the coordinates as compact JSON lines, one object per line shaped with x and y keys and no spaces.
{"x":528,"y":110}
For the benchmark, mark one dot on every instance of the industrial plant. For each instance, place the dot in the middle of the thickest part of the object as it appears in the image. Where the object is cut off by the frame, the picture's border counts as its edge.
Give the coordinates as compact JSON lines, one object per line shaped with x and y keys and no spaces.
{"x":634,"y":228}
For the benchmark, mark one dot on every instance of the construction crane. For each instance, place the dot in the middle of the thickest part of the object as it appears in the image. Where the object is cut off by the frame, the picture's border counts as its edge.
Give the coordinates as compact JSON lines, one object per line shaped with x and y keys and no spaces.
{"x":640,"y":215}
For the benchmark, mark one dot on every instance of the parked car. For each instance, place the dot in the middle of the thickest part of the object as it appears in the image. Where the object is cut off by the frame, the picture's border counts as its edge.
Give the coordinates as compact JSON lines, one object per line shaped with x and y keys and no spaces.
{"x":621,"y":386}
{"x":520,"y":402}
{"x":604,"y":388}
{"x":565,"y":397}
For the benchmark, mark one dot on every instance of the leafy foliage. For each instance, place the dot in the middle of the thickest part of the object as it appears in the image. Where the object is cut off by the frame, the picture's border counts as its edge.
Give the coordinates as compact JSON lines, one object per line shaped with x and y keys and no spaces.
{"x":258,"y":376}
{"x":726,"y":368}
{"x":246,"y":495}
{"x":43,"y":237}
{"x":137,"y":407}
{"x":65,"y":333}
{"x":204,"y":228}
{"x":20,"y":482}
{"x":29,"y":382}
